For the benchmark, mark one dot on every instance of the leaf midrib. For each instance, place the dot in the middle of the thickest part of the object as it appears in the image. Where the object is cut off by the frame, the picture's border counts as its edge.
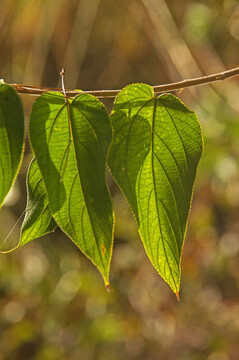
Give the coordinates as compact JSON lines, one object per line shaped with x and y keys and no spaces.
{"x":9,"y":156}
{"x":154,"y":184}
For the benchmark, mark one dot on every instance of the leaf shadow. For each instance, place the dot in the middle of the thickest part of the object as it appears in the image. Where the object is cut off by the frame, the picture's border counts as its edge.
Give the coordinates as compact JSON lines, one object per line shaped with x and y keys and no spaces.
{"x":52,"y":178}
{"x":131,"y":145}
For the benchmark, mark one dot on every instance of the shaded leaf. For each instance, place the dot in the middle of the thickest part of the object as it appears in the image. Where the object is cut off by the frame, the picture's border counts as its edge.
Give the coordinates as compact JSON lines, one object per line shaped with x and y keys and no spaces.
{"x":38,"y":220}
{"x":156,"y":148}
{"x":70,"y":140}
{"x":11,"y":137}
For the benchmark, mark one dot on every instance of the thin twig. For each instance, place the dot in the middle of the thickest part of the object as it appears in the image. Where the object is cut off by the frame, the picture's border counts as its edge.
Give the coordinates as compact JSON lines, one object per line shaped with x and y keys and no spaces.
{"x":62,"y":73}
{"x":27,"y":89}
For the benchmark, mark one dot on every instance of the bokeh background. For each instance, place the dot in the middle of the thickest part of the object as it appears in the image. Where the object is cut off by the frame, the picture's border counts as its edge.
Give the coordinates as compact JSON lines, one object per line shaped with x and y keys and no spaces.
{"x":53,"y":304}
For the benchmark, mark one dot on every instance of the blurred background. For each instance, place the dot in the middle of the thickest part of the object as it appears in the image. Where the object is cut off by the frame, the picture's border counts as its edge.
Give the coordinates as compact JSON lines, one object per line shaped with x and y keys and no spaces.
{"x":53,"y":301}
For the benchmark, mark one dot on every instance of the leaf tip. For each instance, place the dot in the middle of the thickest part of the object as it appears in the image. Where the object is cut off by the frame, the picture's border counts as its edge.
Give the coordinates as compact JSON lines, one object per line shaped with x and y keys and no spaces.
{"x":177,"y":295}
{"x":107,"y":285}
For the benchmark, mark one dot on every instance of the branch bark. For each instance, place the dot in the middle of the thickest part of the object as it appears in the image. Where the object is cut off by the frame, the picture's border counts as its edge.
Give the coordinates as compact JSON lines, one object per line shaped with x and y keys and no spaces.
{"x":32,"y":90}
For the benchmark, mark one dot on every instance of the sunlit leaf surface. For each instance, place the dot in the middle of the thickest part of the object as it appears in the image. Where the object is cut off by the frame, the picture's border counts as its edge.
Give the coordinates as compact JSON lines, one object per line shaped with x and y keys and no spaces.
{"x":70,"y":140}
{"x":156,"y":148}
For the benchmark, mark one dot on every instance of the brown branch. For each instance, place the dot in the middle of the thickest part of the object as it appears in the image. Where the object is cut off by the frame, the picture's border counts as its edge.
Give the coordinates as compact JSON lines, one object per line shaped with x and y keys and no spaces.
{"x":32,"y":90}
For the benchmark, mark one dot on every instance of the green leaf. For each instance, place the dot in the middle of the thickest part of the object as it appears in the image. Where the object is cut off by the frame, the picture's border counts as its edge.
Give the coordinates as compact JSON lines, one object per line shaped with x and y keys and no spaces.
{"x":156,"y":148}
{"x":38,"y":220}
{"x":11,"y":138}
{"x":70,"y":139}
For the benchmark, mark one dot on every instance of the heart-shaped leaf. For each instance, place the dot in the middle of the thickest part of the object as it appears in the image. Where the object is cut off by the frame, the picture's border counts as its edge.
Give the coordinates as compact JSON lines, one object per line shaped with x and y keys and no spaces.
{"x":154,"y":156}
{"x":70,"y":140}
{"x":11,"y":138}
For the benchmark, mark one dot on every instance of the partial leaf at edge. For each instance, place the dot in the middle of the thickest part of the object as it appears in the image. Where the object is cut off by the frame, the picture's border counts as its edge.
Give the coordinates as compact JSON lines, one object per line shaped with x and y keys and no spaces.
{"x":38,"y":220}
{"x":156,"y":148}
{"x":70,"y":140}
{"x":11,"y":138}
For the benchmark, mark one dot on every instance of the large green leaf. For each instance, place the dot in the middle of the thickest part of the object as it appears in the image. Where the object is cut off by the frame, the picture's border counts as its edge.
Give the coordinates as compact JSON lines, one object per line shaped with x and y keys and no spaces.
{"x":38,"y":220}
{"x":11,"y":137}
{"x":70,"y":139}
{"x":156,"y":148}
